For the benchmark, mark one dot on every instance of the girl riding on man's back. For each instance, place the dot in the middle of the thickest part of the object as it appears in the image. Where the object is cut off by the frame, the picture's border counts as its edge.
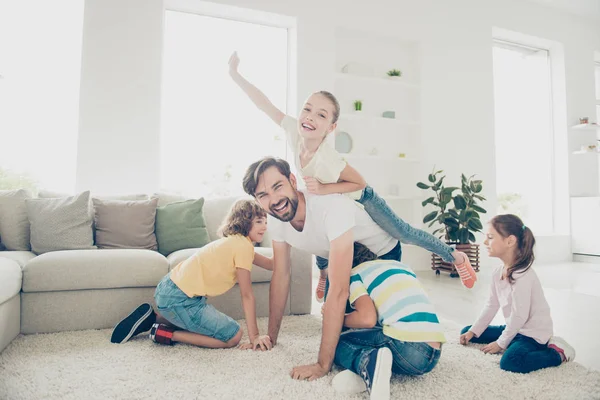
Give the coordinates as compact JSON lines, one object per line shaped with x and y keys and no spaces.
{"x":326,"y":172}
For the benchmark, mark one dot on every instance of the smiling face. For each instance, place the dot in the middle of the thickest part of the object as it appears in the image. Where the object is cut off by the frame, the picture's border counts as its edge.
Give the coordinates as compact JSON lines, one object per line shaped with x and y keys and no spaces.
{"x":316,"y":117}
{"x":259,"y":227}
{"x":277,"y":195}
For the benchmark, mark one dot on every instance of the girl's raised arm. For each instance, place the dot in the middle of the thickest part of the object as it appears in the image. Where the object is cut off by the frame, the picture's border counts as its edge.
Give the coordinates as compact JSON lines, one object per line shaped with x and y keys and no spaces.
{"x":258,"y":98}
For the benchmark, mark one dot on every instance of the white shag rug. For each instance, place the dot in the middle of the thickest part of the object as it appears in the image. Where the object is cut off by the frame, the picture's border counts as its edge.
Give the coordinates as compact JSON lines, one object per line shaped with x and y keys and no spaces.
{"x":85,"y":365}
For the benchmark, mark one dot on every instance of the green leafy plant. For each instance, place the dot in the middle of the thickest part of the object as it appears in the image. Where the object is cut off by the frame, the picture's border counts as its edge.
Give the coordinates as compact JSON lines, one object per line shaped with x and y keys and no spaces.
{"x":394,"y":72}
{"x":358,"y":105}
{"x":459,"y":222}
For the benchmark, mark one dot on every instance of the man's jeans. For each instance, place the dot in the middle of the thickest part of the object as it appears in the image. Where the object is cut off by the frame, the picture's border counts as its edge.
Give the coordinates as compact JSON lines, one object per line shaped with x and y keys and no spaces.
{"x":523,"y":355}
{"x":387,"y":219}
{"x":409,"y":358}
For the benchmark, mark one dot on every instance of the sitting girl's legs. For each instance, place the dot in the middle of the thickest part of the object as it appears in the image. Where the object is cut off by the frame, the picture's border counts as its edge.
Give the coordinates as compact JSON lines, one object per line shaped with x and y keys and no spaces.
{"x":525,"y":354}
{"x":201,"y":324}
{"x":491,"y":334}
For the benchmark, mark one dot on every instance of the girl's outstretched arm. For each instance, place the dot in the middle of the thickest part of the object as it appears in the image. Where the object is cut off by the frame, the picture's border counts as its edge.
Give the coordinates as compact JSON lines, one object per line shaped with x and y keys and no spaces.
{"x":350,"y":181}
{"x":258,"y":98}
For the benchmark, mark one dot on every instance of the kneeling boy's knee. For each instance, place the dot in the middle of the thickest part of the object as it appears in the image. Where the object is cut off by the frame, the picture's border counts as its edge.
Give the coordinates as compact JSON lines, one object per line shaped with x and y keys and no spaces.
{"x":236,"y":339}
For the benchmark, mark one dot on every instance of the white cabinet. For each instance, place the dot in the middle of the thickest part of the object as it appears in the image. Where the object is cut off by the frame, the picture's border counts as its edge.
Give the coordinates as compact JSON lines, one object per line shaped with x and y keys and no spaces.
{"x":585,"y":225}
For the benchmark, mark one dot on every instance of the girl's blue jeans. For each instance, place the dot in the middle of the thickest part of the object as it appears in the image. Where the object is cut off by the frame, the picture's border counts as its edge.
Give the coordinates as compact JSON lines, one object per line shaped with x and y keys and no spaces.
{"x":387,"y":219}
{"x":523,"y":355}
{"x":409,"y":358}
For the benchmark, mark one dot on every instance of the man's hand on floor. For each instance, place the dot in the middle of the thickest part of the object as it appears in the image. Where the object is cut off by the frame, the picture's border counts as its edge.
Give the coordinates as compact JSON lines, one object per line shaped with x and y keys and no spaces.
{"x":308,"y":372}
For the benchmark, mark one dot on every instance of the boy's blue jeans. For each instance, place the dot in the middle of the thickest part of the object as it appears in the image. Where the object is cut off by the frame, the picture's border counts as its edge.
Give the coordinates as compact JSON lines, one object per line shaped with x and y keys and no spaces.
{"x":523,"y":355}
{"x":409,"y":358}
{"x":387,"y":219}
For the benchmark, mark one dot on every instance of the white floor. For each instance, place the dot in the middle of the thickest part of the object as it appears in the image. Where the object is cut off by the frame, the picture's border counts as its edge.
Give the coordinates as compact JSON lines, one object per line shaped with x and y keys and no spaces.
{"x":572,"y":290}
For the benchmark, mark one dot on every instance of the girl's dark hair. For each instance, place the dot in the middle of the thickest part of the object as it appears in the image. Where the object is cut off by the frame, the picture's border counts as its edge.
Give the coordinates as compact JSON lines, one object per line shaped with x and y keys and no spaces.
{"x":509,"y":224}
{"x":362,"y":254}
{"x":240,"y":217}
{"x":334,"y":101}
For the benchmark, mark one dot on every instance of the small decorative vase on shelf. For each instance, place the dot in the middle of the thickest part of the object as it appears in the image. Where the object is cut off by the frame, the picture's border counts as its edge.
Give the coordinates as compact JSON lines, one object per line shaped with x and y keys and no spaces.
{"x":357,"y":106}
{"x":394,"y":74}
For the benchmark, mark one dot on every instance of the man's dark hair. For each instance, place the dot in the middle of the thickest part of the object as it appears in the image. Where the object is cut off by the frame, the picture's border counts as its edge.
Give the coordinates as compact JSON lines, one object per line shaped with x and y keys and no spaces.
{"x":256,"y":169}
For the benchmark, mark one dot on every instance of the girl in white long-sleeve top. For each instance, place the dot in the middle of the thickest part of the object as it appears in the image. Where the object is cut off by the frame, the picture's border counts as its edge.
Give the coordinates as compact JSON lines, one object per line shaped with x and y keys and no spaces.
{"x":527,"y":338}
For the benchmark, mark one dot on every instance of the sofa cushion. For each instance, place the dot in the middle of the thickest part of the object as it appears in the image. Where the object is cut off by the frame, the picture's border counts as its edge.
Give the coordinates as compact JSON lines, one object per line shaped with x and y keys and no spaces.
{"x":122,"y":224}
{"x":21,"y":257}
{"x":48,"y":194}
{"x":10,"y":279}
{"x":14,"y":224}
{"x":258,"y":274}
{"x":60,"y":223}
{"x":94,"y":269}
{"x":181,"y":226}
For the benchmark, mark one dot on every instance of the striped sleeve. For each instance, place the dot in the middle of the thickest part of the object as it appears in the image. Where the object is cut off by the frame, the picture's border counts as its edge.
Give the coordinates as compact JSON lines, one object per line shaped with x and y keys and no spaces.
{"x":357,"y":288}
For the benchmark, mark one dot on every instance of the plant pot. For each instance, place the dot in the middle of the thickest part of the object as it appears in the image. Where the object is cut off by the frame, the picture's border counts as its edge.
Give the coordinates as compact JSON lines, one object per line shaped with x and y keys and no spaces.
{"x":471,"y":250}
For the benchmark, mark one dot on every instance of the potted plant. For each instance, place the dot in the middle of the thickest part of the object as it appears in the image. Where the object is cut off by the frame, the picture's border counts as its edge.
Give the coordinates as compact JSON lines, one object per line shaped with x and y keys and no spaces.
{"x":394,"y":73}
{"x":358,"y":105}
{"x":458,"y":216}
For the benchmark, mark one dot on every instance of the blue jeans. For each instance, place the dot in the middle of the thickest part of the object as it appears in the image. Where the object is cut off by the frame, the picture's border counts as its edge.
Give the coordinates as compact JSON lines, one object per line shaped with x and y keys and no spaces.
{"x":523,"y":355}
{"x":409,"y":358}
{"x":387,"y":220}
{"x":193,"y":314}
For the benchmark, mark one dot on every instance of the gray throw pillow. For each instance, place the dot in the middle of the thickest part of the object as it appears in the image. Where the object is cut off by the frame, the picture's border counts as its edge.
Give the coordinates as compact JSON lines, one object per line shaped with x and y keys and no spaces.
{"x":14,"y":224}
{"x":124,"y":224}
{"x":60,"y":223}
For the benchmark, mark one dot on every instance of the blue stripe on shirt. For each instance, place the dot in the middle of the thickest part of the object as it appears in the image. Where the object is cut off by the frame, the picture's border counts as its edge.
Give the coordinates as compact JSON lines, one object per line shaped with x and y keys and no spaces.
{"x":420,"y":317}
{"x":398,"y":305}
{"x":382,"y":277}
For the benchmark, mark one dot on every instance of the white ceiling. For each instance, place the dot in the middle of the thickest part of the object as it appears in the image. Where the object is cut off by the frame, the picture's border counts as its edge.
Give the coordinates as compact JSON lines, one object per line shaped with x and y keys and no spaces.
{"x":586,"y":8}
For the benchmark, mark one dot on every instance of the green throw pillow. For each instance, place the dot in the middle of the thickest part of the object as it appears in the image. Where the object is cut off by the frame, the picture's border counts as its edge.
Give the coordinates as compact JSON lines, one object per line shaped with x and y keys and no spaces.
{"x":181,"y":226}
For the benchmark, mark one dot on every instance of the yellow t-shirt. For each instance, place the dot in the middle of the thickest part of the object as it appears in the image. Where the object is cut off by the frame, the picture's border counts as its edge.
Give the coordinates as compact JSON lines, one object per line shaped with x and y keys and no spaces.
{"x":211,"y":270}
{"x":326,"y":165}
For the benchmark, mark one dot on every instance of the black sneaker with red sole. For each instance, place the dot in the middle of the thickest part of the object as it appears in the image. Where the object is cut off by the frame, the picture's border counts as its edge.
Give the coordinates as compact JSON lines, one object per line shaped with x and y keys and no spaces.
{"x":140,"y":320}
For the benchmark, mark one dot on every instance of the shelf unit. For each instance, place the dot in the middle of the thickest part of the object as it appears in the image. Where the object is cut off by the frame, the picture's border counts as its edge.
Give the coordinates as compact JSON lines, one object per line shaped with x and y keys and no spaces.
{"x":394,"y":178}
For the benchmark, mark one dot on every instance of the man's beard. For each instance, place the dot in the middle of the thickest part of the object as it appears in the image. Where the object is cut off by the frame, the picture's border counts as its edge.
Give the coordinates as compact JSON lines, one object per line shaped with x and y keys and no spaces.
{"x":292,"y":208}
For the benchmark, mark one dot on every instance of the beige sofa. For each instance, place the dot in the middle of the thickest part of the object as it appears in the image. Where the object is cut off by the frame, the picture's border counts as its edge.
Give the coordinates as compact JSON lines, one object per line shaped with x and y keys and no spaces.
{"x":94,"y":289}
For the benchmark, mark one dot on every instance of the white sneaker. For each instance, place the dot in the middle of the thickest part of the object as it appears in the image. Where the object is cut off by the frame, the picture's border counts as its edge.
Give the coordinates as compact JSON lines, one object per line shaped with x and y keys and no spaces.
{"x":559,"y":344}
{"x":347,"y":382}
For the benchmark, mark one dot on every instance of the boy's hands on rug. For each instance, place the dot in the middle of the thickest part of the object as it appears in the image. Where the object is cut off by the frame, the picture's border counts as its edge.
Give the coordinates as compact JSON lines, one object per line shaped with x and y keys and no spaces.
{"x":262,"y":343}
{"x":492,"y":348}
{"x":466,"y":337}
{"x":308,"y":372}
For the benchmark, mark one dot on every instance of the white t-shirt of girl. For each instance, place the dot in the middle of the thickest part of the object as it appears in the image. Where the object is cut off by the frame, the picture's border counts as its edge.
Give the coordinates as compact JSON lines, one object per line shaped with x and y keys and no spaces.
{"x":326,"y":164}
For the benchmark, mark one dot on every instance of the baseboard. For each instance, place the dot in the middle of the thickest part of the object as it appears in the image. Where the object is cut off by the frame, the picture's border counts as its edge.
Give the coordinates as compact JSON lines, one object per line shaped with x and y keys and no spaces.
{"x":586,"y":258}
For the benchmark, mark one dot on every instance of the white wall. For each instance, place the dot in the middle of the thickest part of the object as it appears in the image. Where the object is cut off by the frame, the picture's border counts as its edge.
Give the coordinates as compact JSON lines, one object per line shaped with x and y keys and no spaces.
{"x":121,"y":77}
{"x":119,"y":117}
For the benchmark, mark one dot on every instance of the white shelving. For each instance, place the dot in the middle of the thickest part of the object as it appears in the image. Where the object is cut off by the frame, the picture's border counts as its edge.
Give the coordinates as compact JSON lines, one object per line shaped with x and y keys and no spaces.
{"x":364,"y":116}
{"x":586,"y":127}
{"x":401,"y":82}
{"x":377,"y":141}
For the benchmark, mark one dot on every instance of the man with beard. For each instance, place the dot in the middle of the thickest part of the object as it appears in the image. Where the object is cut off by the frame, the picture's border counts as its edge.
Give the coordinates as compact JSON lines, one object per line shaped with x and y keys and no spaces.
{"x":323,"y":225}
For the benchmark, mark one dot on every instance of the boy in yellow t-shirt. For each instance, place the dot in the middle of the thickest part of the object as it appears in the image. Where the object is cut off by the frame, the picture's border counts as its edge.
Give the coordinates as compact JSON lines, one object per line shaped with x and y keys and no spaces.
{"x":183,"y":312}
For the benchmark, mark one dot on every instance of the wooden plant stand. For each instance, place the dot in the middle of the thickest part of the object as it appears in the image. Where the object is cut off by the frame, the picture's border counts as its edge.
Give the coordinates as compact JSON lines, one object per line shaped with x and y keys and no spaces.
{"x":471,"y":250}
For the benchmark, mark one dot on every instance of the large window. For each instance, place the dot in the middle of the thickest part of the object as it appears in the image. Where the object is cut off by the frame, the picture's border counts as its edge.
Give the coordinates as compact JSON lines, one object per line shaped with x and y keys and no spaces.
{"x":523,"y":134}
{"x":210,"y":130}
{"x":40,"y":62}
